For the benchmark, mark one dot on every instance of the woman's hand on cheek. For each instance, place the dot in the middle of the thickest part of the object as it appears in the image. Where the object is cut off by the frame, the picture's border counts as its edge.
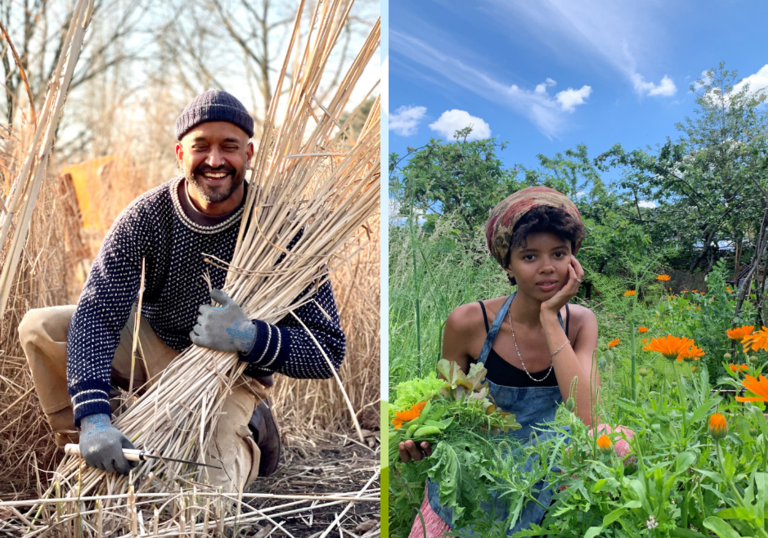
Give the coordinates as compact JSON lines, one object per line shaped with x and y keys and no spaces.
{"x":568,"y":291}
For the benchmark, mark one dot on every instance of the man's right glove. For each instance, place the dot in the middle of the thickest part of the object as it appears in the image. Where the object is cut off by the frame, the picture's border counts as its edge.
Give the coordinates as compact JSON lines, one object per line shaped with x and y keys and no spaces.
{"x":101,"y":444}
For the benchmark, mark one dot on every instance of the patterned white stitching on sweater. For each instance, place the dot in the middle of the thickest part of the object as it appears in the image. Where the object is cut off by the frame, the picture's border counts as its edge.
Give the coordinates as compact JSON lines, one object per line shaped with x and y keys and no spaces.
{"x":269,"y":337}
{"x":277,"y":349}
{"x":87,"y":391}
{"x":152,"y":227}
{"x":88,"y":401}
{"x":193,"y":225}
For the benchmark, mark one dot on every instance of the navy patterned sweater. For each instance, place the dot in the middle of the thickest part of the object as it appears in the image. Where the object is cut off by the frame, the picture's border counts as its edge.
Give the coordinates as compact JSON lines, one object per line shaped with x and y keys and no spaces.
{"x":163,"y":227}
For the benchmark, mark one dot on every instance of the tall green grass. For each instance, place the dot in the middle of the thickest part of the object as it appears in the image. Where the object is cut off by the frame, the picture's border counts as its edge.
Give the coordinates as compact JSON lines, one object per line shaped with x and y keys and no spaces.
{"x":435,"y":271}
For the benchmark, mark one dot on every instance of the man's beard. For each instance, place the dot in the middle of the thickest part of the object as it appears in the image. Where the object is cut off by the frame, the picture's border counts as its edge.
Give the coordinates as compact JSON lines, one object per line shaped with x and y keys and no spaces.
{"x":219,"y":195}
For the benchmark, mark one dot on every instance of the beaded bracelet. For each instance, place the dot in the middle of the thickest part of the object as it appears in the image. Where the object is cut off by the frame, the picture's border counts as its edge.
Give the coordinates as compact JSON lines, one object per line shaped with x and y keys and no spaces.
{"x":558,"y":350}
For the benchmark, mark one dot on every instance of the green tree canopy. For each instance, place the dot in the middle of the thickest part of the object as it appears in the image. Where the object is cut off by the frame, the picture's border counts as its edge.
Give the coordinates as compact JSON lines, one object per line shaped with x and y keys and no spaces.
{"x":710,"y":184}
{"x":463,"y":177}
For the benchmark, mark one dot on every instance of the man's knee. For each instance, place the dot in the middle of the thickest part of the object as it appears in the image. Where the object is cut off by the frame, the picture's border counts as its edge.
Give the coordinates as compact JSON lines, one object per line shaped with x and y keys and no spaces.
{"x":31,"y":327}
{"x":50,"y":323}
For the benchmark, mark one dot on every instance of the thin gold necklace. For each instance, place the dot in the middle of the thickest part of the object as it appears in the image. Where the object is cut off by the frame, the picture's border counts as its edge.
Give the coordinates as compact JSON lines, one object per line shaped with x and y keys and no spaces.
{"x":514,"y":339}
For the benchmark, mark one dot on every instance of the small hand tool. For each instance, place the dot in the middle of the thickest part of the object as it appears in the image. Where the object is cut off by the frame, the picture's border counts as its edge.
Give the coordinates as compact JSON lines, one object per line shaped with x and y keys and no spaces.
{"x":134,"y":454}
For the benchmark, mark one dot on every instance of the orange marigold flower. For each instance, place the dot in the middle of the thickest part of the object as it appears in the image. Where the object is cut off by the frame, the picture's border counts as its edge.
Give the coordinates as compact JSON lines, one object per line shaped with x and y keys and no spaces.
{"x":684,"y":291}
{"x":693,"y":368}
{"x":663,"y":278}
{"x":718,"y":426}
{"x":613,"y":343}
{"x":740,"y":333}
{"x":643,"y":329}
{"x":728,"y":289}
{"x":669,"y":346}
{"x":757,"y":340}
{"x":645,"y":340}
{"x":629,"y":293}
{"x":760,"y":388}
{"x":694,"y":291}
{"x":690,"y":354}
{"x":735,"y":368}
{"x":604,"y":443}
{"x":401,"y":417}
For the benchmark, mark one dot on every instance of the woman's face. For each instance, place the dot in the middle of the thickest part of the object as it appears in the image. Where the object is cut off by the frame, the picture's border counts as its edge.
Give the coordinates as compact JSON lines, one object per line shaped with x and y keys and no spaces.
{"x":540,"y":265}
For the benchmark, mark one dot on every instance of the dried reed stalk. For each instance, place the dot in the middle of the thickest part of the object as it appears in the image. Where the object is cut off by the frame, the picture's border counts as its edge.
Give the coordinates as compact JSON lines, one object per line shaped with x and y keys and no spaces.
{"x":319,"y":404}
{"x":325,"y":196}
{"x":43,"y":278}
{"x":23,"y":194}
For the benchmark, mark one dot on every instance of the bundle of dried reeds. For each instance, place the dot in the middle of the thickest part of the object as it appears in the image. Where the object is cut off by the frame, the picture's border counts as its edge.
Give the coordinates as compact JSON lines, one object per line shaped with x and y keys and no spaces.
{"x":18,"y":207}
{"x":308,"y":180}
{"x":319,"y":404}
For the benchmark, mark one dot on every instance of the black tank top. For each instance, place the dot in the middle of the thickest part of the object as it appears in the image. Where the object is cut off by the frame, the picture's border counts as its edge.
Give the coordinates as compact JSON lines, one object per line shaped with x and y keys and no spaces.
{"x":503,"y":373}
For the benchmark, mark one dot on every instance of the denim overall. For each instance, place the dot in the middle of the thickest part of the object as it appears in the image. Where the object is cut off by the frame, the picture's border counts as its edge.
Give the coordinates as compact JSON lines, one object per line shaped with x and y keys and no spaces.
{"x":532,"y":406}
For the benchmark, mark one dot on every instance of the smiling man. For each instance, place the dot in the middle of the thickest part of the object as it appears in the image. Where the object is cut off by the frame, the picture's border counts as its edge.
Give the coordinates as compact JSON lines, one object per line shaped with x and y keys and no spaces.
{"x":81,"y":356}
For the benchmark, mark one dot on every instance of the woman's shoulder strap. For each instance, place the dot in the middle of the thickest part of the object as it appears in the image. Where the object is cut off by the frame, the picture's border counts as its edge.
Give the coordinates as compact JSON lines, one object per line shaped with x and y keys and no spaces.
{"x":485,"y":315}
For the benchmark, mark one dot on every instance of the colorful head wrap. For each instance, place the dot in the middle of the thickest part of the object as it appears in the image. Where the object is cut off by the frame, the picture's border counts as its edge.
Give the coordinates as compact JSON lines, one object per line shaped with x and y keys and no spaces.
{"x":507,"y":213}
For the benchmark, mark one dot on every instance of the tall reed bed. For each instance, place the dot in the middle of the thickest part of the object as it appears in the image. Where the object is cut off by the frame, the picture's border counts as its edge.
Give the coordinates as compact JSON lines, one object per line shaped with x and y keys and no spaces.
{"x":306,"y":180}
{"x":43,"y":278}
{"x":17,"y":209}
{"x":302,"y":404}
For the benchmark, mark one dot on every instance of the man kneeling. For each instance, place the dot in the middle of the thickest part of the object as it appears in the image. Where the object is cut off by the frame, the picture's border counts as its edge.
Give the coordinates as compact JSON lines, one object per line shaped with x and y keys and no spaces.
{"x":81,"y":356}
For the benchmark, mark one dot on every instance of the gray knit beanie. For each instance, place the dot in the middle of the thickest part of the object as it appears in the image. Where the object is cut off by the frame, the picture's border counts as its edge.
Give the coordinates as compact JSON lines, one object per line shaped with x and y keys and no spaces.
{"x":213,"y":105}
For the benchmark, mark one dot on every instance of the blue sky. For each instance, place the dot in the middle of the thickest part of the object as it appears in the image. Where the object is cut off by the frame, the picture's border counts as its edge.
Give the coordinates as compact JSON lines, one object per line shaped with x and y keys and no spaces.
{"x":546,"y":75}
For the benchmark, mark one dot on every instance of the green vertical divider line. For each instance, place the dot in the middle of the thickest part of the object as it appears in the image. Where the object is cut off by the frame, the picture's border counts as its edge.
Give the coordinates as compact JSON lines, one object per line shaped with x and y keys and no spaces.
{"x":384,"y":468}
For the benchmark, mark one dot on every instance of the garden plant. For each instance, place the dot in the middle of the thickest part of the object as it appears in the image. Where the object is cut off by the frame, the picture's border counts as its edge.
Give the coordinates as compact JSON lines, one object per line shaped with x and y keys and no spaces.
{"x":671,"y":365}
{"x":681,"y":449}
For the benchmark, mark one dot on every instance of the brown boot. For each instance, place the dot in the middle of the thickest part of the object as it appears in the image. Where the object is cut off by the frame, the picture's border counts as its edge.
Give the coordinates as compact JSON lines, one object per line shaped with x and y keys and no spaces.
{"x":264,"y":429}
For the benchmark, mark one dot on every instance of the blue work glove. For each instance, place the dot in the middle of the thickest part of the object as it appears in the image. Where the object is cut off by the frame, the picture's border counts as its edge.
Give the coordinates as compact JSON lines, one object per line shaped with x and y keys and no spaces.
{"x":224,"y":328}
{"x":101,"y":445}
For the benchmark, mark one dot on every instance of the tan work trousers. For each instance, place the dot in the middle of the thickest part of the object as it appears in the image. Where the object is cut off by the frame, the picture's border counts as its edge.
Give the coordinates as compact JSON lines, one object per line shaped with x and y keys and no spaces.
{"x":43,"y":335}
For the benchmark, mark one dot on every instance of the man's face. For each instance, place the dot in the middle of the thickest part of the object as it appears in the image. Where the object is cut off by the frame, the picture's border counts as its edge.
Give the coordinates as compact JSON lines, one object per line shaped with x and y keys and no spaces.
{"x":214,"y":157}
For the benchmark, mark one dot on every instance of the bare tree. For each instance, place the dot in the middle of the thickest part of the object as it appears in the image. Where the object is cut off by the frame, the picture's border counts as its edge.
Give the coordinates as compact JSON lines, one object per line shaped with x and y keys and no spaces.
{"x":143,"y":60}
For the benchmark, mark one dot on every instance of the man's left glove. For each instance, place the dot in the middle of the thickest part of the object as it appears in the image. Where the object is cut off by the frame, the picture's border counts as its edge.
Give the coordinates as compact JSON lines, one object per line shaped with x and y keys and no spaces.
{"x":224,"y":328}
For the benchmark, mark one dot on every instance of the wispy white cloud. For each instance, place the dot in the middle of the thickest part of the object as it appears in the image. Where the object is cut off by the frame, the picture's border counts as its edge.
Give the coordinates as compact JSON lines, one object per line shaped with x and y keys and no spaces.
{"x":666,"y":88}
{"x":547,"y":113}
{"x":542,"y":88}
{"x":569,"y":99}
{"x":452,"y":120}
{"x":757,"y":82}
{"x":619,"y":34}
{"x":405,"y":120}
{"x":646,"y":203}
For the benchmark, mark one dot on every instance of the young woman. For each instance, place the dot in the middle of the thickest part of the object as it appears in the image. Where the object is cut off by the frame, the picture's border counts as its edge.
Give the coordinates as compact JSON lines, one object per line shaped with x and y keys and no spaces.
{"x":533,"y":343}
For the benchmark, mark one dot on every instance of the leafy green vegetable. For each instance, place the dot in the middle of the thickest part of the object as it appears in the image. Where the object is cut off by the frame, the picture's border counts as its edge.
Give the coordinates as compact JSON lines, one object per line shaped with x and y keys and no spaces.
{"x":415,"y":390}
{"x":460,"y":419}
